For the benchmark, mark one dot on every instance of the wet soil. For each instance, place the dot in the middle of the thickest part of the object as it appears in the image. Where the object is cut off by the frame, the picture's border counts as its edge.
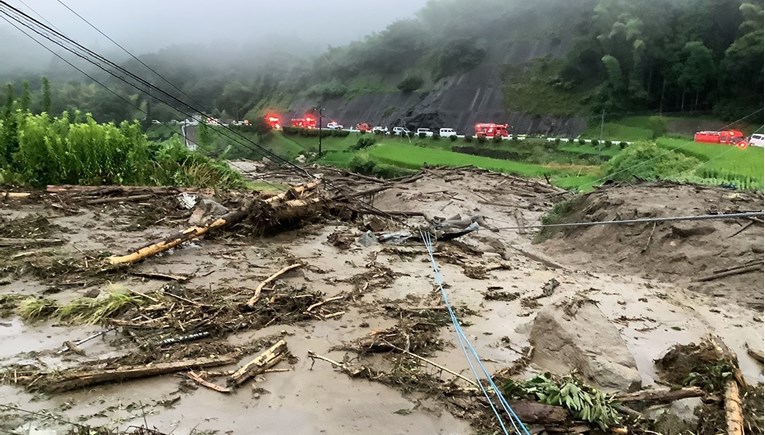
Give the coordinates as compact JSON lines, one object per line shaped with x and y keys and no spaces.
{"x":379,"y":286}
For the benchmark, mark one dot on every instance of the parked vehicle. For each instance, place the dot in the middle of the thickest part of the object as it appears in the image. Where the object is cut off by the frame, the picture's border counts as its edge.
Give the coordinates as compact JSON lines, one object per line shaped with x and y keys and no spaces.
{"x":363,"y":126}
{"x":306,"y":122}
{"x":273,"y":122}
{"x":383,"y":130}
{"x":425,"y":131}
{"x":398,"y":131}
{"x":489,"y":130}
{"x":447,"y":132}
{"x":729,"y":137}
{"x":334,"y":126}
{"x":757,"y":140}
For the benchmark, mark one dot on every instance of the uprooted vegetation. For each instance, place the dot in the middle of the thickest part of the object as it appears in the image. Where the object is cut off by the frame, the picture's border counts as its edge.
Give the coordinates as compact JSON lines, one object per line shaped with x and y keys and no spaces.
{"x":711,"y":366}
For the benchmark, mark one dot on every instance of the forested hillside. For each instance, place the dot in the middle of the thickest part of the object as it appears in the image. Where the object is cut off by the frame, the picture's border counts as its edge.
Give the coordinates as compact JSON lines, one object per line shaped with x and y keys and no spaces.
{"x":542,"y":58}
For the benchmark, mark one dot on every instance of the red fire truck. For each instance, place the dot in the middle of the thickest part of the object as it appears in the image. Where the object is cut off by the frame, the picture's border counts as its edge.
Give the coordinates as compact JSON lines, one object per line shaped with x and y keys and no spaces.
{"x":730,"y":137}
{"x":363,"y":126}
{"x":489,"y":130}
{"x":306,"y":122}
{"x":273,"y":121}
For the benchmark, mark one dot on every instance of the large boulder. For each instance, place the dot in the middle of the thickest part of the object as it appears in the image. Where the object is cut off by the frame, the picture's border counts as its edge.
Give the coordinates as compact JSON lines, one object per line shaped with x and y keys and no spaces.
{"x":577,"y":336}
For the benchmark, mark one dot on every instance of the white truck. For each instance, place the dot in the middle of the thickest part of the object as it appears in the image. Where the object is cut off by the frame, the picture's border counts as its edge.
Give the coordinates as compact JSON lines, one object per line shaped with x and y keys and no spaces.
{"x":398,"y":131}
{"x":425,"y":131}
{"x":447,"y":132}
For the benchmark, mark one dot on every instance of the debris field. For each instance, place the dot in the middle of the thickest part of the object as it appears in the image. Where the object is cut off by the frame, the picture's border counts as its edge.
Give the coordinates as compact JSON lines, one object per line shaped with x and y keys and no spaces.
{"x":313,"y":308}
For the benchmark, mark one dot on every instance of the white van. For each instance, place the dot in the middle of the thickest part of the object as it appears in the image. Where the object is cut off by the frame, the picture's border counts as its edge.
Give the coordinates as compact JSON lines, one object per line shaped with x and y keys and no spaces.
{"x":447,"y":132}
{"x":757,"y":140}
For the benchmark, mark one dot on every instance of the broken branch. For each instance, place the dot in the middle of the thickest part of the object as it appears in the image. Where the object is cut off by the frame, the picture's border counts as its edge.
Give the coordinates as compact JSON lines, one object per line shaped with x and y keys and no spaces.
{"x":254,"y":299}
{"x":269,"y":358}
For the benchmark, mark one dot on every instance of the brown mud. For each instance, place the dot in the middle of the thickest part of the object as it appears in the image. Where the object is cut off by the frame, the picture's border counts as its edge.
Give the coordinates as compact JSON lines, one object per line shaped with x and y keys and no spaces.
{"x":371,"y":300}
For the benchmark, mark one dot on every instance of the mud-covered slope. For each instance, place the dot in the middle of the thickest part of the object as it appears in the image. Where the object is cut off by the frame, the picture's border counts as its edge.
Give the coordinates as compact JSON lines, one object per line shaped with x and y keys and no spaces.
{"x":686,"y":251}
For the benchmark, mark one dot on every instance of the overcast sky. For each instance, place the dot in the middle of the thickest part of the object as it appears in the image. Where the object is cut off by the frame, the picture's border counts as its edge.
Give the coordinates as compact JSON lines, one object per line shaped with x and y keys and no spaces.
{"x":147,"y":25}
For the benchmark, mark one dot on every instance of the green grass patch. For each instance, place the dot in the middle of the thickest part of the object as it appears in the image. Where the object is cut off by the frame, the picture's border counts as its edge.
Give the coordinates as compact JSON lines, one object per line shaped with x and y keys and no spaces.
{"x":414,"y":157}
{"x":36,"y":309}
{"x":538,"y":90}
{"x":721,"y":164}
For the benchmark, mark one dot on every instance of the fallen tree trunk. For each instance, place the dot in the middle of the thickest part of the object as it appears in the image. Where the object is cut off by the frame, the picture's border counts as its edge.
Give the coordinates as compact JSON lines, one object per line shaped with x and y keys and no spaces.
{"x":68,"y":380}
{"x":660,"y":396}
{"x":738,"y":271}
{"x":734,"y":411}
{"x":286,"y":205}
{"x":269,"y":358}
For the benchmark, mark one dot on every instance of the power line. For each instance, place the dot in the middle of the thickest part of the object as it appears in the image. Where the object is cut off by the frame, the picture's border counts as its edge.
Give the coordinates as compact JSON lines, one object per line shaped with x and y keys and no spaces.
{"x":100,"y":58}
{"x":644,"y":220}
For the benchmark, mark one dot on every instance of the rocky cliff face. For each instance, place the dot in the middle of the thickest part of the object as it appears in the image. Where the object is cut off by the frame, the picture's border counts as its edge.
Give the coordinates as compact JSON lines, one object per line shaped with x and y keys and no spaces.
{"x":476,"y":96}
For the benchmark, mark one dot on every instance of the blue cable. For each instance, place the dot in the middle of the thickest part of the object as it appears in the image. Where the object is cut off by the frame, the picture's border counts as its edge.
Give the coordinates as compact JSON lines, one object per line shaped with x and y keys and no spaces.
{"x":465,"y":345}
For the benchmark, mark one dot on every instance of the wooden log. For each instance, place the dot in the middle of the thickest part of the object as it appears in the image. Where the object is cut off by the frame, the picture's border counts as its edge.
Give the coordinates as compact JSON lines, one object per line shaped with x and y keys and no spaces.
{"x":15,"y":195}
{"x":254,"y":299}
{"x":535,"y":412}
{"x":119,"y":199}
{"x":286,"y":205}
{"x":73,"y":379}
{"x":207,"y":384}
{"x":269,"y":358}
{"x":660,"y":396}
{"x":734,"y":412}
{"x":739,"y":271}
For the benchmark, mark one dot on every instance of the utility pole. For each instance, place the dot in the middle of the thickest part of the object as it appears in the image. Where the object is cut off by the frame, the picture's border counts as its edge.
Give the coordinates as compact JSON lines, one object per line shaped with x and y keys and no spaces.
{"x":602,"y":118}
{"x":320,"y":124}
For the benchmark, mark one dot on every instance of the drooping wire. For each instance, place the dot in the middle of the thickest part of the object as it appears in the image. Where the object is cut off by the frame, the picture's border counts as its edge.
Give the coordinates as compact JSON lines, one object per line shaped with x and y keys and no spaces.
{"x":469,"y":350}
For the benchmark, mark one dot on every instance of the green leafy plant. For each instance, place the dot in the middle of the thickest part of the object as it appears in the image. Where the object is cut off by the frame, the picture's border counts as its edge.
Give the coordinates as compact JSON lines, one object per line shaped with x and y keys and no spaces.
{"x":582,"y":401}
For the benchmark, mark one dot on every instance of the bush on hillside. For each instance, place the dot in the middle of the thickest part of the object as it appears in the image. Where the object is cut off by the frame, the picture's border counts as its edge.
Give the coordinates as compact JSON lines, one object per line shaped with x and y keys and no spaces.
{"x":291,"y":131}
{"x":453,"y":138}
{"x":411,"y":83}
{"x":608,"y":143}
{"x":648,"y":162}
{"x":582,"y":141}
{"x":411,"y":134}
{"x":594,"y":142}
{"x":436,"y":136}
{"x":340,"y":133}
{"x":497,"y":139}
{"x":622,"y":145}
{"x":482,"y":139}
{"x":423,"y":135}
{"x":468,"y":138}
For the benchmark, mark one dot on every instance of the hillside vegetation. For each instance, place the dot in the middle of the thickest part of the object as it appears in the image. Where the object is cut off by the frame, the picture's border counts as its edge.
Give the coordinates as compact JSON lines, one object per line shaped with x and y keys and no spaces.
{"x":560,"y":58}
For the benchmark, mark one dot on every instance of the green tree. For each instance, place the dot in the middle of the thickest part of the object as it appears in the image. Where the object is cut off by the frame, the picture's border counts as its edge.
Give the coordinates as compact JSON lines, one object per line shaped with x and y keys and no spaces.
{"x":26,"y":96}
{"x":46,"y":100}
{"x":697,"y":70}
{"x":9,"y":99}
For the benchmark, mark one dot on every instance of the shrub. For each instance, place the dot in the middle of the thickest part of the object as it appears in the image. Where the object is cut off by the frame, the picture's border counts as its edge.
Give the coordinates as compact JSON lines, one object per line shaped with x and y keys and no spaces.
{"x":572,"y":140}
{"x":436,"y":136}
{"x":423,"y":135}
{"x":482,"y":139}
{"x":364,"y":142}
{"x":291,"y":131}
{"x":595,"y":142}
{"x":648,"y":161}
{"x":468,"y":138}
{"x":453,"y":138}
{"x":361,"y":165}
{"x":410,"y":83}
{"x":608,"y":143}
{"x":582,"y":141}
{"x":622,"y":145}
{"x":340,"y":133}
{"x":557,"y":141}
{"x":411,"y":134}
{"x":379,"y":132}
{"x":497,"y":139}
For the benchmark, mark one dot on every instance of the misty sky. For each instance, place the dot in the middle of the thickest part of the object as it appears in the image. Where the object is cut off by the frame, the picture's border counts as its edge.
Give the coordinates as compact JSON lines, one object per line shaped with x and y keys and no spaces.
{"x":148,"y":25}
